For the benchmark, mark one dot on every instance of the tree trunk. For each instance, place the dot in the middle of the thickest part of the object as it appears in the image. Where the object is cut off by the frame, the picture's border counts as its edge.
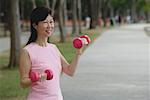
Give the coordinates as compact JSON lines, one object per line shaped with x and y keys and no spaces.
{"x":6,"y":17}
{"x":47,"y":3}
{"x":133,"y":11}
{"x":33,"y":4}
{"x":64,"y":15}
{"x":94,"y":13}
{"x":111,"y":11}
{"x":79,"y":15}
{"x":74,"y":16}
{"x":147,"y":16}
{"x":61,"y":20}
{"x":22,"y":9}
{"x":15,"y":33}
{"x":53,"y":6}
{"x":99,"y":8}
{"x":147,"y":13}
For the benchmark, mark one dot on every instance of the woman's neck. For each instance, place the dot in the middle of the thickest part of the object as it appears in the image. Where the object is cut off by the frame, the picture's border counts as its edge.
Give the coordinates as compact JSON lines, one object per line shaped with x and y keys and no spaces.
{"x":41,"y":42}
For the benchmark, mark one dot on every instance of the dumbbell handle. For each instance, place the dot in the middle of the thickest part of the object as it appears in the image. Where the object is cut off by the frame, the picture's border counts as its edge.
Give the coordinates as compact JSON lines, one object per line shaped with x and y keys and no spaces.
{"x":84,"y":41}
{"x":42,"y":76}
{"x":87,"y":38}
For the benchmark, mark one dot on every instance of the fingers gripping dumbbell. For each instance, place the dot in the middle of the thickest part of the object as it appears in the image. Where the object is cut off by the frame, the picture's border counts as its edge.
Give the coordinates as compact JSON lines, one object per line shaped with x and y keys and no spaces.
{"x":81,"y":41}
{"x":35,"y":76}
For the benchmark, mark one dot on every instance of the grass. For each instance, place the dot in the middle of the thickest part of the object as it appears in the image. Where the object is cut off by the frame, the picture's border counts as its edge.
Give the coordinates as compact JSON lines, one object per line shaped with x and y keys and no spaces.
{"x":4,"y":58}
{"x":68,"y":52}
{"x":9,"y":85}
{"x":9,"y":78}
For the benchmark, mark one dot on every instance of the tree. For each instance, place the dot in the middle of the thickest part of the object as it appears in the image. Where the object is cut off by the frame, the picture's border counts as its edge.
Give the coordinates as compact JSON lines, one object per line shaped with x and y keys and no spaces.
{"x":33,"y":4}
{"x":144,"y":6}
{"x":79,"y":14}
{"x":6,"y":15}
{"x":53,"y":6}
{"x":147,"y":10}
{"x":133,"y":11}
{"x":47,"y":3}
{"x":74,"y":18}
{"x":22,"y":9}
{"x":14,"y":24}
{"x":61,"y":19}
{"x":94,"y":4}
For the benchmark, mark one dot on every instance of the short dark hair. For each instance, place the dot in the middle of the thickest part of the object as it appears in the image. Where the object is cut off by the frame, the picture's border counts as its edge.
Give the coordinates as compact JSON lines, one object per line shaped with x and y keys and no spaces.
{"x":37,"y":14}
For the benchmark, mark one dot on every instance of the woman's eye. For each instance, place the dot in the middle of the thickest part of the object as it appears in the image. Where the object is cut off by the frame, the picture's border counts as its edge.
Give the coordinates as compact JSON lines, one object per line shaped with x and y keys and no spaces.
{"x":48,"y":22}
{"x":45,"y":22}
{"x":51,"y":22}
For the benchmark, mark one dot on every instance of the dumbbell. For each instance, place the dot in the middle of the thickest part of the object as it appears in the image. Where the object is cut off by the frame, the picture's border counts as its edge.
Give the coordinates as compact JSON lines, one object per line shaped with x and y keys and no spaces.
{"x":35,"y":76}
{"x":79,"y":42}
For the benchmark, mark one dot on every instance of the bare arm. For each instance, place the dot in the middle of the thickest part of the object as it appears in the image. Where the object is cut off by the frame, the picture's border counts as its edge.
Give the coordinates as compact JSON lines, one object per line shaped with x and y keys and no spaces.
{"x":24,"y":68}
{"x":70,"y":69}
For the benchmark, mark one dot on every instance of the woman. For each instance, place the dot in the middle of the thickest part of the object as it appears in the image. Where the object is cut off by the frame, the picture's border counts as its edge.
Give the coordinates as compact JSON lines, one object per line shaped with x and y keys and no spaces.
{"x":38,"y":55}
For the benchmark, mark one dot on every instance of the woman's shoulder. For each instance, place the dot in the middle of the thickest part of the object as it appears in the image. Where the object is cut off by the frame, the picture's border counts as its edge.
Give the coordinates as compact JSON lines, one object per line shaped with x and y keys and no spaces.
{"x":52,"y":44}
{"x":24,"y":51}
{"x":29,"y":46}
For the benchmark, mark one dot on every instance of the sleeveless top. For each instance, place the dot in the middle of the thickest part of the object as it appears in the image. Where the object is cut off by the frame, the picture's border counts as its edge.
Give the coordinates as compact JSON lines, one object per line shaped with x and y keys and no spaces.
{"x":43,"y":58}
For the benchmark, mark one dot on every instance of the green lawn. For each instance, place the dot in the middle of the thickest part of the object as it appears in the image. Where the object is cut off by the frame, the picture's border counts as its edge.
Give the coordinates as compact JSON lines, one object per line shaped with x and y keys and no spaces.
{"x":9,"y":78}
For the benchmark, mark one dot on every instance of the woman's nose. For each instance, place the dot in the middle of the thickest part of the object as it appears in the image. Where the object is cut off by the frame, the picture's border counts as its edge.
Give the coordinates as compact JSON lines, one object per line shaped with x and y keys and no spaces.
{"x":50,"y":25}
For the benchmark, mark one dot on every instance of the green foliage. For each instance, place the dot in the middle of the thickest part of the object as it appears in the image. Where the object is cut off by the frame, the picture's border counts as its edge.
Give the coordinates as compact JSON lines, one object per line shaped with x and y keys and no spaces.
{"x":121,"y":4}
{"x":147,"y":7}
{"x":143,"y":5}
{"x":40,"y":3}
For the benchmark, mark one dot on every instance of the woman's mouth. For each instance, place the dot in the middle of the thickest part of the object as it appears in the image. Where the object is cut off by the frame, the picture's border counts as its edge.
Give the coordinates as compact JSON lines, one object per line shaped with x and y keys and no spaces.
{"x":48,"y":32}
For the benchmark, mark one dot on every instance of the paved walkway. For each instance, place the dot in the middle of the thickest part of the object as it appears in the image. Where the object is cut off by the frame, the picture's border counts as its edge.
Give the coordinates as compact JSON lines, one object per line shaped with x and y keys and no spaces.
{"x":114,"y":67}
{"x":5,"y":42}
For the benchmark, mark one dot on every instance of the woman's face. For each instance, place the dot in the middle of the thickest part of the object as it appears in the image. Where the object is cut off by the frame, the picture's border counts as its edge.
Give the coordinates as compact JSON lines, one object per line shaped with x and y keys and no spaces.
{"x":45,"y":27}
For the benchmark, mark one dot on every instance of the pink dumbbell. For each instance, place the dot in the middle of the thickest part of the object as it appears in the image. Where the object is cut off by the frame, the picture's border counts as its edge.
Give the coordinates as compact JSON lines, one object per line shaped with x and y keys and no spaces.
{"x":81,"y":41}
{"x":35,"y":76}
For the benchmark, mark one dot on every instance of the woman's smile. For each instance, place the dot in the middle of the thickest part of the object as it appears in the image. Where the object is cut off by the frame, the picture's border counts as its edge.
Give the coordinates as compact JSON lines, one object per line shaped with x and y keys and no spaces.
{"x":49,"y":31}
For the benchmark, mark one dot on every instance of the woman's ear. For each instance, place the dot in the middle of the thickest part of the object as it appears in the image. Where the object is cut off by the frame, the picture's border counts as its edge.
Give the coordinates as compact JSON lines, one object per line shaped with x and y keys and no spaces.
{"x":34,"y":25}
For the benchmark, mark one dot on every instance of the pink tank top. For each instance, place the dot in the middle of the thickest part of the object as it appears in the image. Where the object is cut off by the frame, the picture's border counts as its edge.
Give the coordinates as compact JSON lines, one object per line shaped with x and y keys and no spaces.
{"x":43,"y":58}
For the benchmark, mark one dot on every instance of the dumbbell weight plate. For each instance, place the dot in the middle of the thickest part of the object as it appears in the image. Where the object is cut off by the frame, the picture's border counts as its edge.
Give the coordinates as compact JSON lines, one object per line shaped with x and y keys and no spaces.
{"x":77,"y":43}
{"x":49,"y":74}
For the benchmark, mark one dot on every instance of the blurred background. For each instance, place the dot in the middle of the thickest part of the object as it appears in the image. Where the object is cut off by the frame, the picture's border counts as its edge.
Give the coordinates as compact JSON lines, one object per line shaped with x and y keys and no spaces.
{"x":72,"y":18}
